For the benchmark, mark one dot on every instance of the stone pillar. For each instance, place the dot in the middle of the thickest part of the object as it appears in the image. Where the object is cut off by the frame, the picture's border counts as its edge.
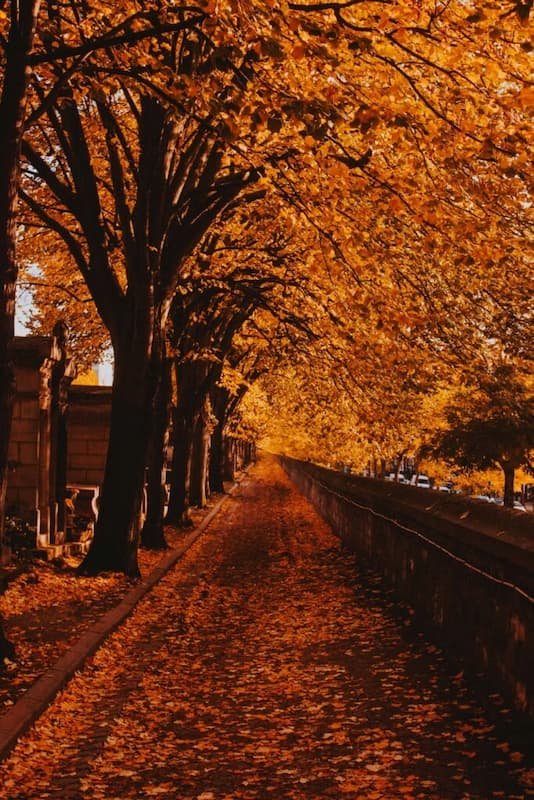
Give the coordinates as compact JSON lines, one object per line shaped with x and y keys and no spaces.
{"x":36,"y":483}
{"x":61,"y":440}
{"x":46,"y":511}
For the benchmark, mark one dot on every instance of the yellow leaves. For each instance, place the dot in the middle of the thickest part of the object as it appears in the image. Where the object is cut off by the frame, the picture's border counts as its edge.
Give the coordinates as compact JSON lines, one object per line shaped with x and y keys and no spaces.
{"x":395,"y":204}
{"x":158,"y":791}
{"x":384,"y":22}
{"x":373,"y":767}
{"x":525,"y":98}
{"x":493,"y":72}
{"x":293,"y":24}
{"x":402,"y":35}
{"x":338,"y":170}
{"x":309,"y":142}
{"x":209,"y":6}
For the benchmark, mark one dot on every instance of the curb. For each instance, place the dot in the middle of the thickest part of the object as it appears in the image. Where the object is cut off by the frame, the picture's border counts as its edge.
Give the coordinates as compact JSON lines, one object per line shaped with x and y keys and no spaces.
{"x":20,"y":717}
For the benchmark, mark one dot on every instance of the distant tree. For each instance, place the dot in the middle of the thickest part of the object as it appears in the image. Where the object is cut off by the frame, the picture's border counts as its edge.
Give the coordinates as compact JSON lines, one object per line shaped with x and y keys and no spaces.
{"x":492,"y":425}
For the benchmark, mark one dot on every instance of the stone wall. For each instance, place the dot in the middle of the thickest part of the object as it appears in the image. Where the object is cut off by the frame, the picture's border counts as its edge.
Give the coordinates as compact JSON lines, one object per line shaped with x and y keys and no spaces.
{"x":88,"y":434}
{"x":24,"y":450}
{"x":58,"y":441}
{"x":465,"y":567}
{"x":37,"y":448}
{"x":58,"y":447}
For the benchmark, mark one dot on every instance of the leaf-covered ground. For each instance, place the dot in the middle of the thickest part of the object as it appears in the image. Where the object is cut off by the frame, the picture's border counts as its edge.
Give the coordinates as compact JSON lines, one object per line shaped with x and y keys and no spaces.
{"x":47,"y":607}
{"x":263,"y":666}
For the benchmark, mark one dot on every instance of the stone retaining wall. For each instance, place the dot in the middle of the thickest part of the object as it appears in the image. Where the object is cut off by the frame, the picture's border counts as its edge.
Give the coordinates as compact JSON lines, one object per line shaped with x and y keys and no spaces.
{"x":467,"y":569}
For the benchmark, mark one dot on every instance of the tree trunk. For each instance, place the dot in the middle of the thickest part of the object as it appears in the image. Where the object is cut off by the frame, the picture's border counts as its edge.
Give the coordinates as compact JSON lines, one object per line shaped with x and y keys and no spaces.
{"x":398,"y":462}
{"x":191,"y":377}
{"x":152,"y":534}
{"x":12,"y":116}
{"x":229,"y":459}
{"x":219,"y":400}
{"x":182,"y":435}
{"x":199,"y":465}
{"x":216,"y":469}
{"x":509,"y":475}
{"x":6,"y":648}
{"x":115,"y":543}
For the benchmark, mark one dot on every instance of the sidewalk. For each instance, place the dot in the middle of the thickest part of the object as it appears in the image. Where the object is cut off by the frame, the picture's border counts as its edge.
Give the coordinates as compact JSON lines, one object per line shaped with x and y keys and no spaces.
{"x":48,"y":607}
{"x":259,"y":667}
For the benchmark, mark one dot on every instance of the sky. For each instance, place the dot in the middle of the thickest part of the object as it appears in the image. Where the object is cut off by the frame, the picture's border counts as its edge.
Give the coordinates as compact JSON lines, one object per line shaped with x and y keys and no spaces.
{"x":24,"y":306}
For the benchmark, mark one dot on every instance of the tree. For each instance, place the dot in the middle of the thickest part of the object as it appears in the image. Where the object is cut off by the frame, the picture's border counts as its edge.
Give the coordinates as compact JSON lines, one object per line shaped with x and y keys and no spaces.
{"x":13,"y":99}
{"x":366,"y":125}
{"x":133,"y":207}
{"x":262,"y":274}
{"x":490,"y":425}
{"x":42,"y":46}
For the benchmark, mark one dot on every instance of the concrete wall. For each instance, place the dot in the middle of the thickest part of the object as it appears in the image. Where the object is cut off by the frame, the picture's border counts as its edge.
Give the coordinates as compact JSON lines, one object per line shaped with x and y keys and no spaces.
{"x":467,"y":569}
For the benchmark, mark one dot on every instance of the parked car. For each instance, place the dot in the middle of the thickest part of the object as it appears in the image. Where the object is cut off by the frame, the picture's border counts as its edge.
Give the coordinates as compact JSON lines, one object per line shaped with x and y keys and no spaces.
{"x":421,"y":481}
{"x":399,"y":479}
{"x":518,"y":506}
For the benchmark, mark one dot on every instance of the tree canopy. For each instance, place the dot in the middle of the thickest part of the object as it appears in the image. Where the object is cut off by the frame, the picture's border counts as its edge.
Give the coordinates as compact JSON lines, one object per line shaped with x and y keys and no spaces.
{"x":337,"y":192}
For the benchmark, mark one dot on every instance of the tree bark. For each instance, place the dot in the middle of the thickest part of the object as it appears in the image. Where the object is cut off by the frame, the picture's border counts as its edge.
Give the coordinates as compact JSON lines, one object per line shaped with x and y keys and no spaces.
{"x":182,"y":437}
{"x":153,"y":534}
{"x":115,"y":543}
{"x":12,"y":115}
{"x":6,"y":648}
{"x":199,"y":465}
{"x":509,"y":475}
{"x":193,"y":387}
{"x":216,"y":467}
{"x":229,"y":459}
{"x":184,"y":417}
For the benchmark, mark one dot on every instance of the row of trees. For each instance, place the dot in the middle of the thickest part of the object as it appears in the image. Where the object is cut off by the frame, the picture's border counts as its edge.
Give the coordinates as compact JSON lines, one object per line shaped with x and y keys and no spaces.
{"x":466,"y":432}
{"x":329,"y":195}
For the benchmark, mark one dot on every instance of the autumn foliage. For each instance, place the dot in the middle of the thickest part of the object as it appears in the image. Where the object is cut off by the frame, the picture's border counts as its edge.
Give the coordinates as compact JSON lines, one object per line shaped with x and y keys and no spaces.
{"x":319,"y":207}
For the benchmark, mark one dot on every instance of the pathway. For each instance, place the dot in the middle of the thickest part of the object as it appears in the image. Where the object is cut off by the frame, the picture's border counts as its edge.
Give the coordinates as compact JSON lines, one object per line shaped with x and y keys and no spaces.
{"x":261,"y":667}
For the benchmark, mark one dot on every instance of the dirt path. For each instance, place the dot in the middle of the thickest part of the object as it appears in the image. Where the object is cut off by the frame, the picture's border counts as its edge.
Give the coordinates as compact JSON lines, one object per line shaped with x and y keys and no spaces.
{"x":261,"y":668}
